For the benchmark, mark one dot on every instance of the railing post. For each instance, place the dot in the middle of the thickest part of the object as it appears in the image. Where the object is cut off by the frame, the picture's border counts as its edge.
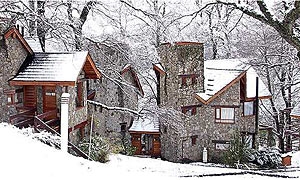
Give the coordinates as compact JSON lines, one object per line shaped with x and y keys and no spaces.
{"x":64,"y":121}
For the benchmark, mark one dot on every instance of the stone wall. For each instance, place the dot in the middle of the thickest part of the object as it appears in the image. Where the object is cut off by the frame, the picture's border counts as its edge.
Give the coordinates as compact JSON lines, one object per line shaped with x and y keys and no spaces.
{"x":110,"y":90}
{"x":178,"y":60}
{"x":178,"y":133}
{"x":12,"y":55}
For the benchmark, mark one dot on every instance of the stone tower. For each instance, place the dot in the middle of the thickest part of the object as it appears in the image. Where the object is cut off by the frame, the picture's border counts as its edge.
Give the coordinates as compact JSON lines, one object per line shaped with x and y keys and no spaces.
{"x":183,"y":64}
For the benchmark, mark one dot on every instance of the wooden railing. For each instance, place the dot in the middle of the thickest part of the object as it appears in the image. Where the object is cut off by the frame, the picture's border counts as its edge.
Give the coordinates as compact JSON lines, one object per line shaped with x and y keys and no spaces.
{"x":39,"y":124}
{"x":24,"y":118}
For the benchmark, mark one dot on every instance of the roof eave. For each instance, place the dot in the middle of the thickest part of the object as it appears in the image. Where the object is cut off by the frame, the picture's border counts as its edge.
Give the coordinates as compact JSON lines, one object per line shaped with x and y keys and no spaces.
{"x":13,"y":32}
{"x":41,"y":83}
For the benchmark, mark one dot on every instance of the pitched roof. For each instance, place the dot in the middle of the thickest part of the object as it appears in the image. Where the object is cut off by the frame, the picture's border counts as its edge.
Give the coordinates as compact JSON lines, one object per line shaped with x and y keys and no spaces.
{"x":128,"y":68}
{"x":221,"y":74}
{"x":55,"y":69}
{"x":34,"y":44}
{"x":14,"y":33}
{"x":145,"y":125}
{"x":159,"y":68}
{"x":296,"y":111}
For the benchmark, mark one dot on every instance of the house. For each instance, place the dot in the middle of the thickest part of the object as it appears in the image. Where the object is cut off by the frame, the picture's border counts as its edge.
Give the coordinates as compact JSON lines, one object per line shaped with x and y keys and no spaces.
{"x":145,"y":136}
{"x":119,"y":87}
{"x":32,"y":84}
{"x":216,"y":98}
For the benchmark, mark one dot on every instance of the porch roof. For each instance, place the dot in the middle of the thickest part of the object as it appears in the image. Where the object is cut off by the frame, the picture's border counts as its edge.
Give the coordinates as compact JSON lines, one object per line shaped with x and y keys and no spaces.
{"x":145,"y":125}
{"x":59,"y":68}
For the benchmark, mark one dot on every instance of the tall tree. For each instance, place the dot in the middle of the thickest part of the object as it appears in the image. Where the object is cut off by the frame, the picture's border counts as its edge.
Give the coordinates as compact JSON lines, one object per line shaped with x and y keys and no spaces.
{"x":287,"y":25}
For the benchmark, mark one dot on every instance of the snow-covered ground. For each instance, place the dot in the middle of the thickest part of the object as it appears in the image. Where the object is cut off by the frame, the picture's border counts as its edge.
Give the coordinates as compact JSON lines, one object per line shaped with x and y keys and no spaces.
{"x":22,"y":157}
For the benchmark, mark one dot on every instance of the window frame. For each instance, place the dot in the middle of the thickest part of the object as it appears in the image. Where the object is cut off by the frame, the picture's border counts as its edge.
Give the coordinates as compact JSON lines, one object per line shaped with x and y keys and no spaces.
{"x":194,"y":140}
{"x":14,"y":96}
{"x":253,"y":108}
{"x":79,"y":94}
{"x":219,"y":143}
{"x":218,"y":115}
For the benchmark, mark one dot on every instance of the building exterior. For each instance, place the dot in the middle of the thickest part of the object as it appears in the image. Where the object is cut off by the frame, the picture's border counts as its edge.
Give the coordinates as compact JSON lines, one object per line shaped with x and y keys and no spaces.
{"x":32,"y":84}
{"x":118,"y":88}
{"x":216,"y":98}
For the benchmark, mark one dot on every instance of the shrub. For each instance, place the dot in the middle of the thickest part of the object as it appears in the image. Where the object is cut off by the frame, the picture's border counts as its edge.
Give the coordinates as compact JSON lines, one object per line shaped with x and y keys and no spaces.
{"x":99,"y":148}
{"x":236,"y":152}
{"x":267,"y":158}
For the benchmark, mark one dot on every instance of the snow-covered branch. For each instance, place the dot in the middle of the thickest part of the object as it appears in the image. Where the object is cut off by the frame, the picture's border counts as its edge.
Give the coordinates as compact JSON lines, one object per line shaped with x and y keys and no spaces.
{"x":114,"y":108}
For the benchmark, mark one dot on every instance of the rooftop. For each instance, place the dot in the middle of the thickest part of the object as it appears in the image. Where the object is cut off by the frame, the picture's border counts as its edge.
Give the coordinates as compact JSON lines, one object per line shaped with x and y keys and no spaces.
{"x":55,"y":67}
{"x":220,"y":73}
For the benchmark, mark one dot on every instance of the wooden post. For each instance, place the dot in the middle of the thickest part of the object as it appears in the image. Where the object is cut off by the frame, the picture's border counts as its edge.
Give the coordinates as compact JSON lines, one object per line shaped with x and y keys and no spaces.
{"x":256,"y":115}
{"x":64,"y":121}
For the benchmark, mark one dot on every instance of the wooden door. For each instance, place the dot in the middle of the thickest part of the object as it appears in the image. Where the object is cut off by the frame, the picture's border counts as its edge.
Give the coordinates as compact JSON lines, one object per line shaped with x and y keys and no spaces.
{"x":49,"y":100}
{"x":136,"y":142}
{"x":156,"y":145}
{"x":29,"y":96}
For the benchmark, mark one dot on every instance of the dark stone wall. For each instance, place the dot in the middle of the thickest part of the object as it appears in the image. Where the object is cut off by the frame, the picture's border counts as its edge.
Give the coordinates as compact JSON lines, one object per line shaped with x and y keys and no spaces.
{"x":12,"y":55}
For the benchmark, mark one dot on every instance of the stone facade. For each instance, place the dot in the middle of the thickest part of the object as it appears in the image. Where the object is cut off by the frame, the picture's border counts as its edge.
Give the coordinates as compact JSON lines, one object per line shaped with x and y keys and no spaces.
{"x":12,"y":54}
{"x":114,"y":89}
{"x":185,"y":137}
{"x":181,"y":61}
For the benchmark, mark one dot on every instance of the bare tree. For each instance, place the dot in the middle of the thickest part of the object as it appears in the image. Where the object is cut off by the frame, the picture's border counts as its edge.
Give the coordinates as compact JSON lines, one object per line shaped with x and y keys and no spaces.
{"x":287,"y":25}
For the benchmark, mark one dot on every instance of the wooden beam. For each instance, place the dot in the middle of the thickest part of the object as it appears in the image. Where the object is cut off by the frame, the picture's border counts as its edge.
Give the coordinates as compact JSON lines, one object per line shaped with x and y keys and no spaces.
{"x":42,"y":83}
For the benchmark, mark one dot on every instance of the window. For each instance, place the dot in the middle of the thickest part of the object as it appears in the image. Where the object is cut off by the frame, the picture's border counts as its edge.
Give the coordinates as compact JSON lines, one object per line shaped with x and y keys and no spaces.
{"x":248,"y":108}
{"x":13,"y":96}
{"x":188,"y":79}
{"x":79,"y":92}
{"x":224,"y":115}
{"x":222,"y":146}
{"x":10,"y":99}
{"x":183,"y":81}
{"x":189,"y":110}
{"x":123,"y":126}
{"x":194,"y":140}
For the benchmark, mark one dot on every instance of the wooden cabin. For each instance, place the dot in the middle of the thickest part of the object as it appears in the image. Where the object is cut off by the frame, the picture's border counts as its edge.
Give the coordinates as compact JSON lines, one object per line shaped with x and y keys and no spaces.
{"x":145,"y":137}
{"x":43,"y":77}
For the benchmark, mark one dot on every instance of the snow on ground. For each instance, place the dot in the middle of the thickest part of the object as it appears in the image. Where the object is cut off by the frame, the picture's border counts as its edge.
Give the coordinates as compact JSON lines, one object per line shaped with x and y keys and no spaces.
{"x":22,"y":157}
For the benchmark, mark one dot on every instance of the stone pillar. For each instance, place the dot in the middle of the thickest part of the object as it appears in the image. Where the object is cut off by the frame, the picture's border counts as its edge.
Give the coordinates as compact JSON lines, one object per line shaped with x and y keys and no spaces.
{"x":64,"y":125}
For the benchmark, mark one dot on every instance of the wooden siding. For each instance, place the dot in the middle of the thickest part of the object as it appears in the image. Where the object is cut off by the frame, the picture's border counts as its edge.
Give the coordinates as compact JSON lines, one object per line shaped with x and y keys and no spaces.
{"x":49,"y":100}
{"x":30,"y":96}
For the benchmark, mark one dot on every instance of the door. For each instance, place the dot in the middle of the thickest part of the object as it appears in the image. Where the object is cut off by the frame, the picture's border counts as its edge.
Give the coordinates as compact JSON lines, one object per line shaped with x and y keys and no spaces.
{"x":29,"y":96}
{"x":147,"y":144}
{"x":49,"y":100}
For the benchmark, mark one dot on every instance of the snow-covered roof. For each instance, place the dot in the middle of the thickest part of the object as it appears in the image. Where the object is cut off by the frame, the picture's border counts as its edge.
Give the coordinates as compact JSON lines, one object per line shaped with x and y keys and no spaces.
{"x":296,"y":111}
{"x":34,"y":44}
{"x":251,"y":85}
{"x":145,"y":125}
{"x":138,"y":85}
{"x":158,"y":67}
{"x":54,"y":67}
{"x":220,"y":73}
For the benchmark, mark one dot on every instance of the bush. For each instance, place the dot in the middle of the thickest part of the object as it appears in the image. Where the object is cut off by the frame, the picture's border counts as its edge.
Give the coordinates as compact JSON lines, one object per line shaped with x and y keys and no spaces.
{"x":101,"y":147}
{"x":236,"y":152}
{"x":267,"y":158}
